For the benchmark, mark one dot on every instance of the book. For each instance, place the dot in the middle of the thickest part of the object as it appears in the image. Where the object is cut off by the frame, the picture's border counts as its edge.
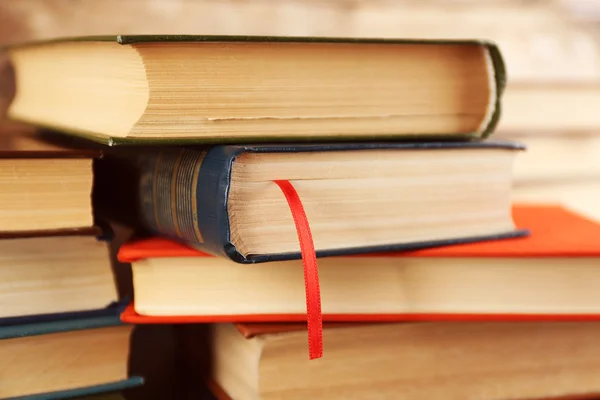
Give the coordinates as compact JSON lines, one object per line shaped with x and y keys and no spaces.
{"x":54,"y":274}
{"x":549,"y":275}
{"x":45,"y":186}
{"x":97,"y":392}
{"x":452,"y":360}
{"x":110,"y":310}
{"x":65,"y":358}
{"x":358,"y":197}
{"x":177,"y":88}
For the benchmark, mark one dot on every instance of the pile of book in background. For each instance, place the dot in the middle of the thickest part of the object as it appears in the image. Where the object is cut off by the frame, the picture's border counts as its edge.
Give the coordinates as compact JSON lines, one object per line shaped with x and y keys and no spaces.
{"x":222,"y":162}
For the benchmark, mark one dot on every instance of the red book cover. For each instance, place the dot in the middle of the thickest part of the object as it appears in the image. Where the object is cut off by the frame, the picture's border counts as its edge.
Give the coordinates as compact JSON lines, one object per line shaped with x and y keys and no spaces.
{"x":555,"y":232}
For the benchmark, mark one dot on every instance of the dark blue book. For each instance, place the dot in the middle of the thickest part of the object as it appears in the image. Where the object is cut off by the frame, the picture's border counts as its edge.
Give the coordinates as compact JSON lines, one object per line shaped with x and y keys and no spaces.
{"x":358,"y":197}
{"x":65,"y":357}
{"x":89,"y":392}
{"x":59,"y":274}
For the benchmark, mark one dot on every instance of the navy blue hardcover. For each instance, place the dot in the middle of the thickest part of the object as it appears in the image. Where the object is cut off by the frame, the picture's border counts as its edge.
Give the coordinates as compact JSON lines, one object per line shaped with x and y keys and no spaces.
{"x":85,"y":391}
{"x":110,"y":311}
{"x":183,"y":194}
{"x":58,"y":325}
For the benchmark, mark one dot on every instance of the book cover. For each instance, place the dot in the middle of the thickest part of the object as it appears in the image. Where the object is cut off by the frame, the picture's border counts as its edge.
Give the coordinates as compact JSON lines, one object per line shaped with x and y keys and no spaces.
{"x":110,"y":311}
{"x":555,"y":232}
{"x":88,"y":392}
{"x":59,"y":324}
{"x":184,"y":195}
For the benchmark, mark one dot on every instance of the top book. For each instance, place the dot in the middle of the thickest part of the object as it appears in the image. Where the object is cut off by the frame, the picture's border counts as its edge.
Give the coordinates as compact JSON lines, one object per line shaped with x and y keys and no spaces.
{"x":177,"y":89}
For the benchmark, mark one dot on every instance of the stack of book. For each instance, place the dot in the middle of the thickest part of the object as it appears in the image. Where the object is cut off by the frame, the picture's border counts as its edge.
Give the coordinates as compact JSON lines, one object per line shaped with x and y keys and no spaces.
{"x":60,"y":333}
{"x":277,"y":183}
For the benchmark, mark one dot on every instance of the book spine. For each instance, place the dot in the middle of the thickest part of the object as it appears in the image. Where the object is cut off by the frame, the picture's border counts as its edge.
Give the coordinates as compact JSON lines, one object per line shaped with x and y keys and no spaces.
{"x":500,"y":81}
{"x":183,"y":195}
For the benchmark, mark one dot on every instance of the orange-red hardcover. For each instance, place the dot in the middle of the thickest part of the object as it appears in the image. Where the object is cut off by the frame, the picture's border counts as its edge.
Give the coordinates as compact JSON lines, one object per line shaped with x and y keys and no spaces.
{"x":555,"y":232}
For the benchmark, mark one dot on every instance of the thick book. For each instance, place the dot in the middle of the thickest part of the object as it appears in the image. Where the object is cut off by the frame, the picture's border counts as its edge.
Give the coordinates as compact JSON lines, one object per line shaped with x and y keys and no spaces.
{"x":174,"y":88}
{"x":54,"y":275}
{"x":45,"y":186}
{"x":65,"y":358}
{"x":358,"y":197}
{"x":550,"y":275}
{"x":433,"y":361}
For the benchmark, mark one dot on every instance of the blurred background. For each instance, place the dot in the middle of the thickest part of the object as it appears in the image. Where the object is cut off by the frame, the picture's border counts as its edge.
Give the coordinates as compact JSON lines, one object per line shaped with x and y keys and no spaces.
{"x":551,"y":48}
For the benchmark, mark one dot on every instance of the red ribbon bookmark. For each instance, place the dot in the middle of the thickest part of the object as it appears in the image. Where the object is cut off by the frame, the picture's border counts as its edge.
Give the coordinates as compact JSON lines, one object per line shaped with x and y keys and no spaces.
{"x":311,"y":270}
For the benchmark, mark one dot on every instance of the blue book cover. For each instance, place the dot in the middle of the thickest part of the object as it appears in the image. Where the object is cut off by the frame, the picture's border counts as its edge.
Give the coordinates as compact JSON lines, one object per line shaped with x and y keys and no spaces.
{"x":186,"y":194}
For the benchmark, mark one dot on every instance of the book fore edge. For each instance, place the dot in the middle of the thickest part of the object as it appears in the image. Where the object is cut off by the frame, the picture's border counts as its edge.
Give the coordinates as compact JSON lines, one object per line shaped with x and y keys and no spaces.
{"x":491,"y":108}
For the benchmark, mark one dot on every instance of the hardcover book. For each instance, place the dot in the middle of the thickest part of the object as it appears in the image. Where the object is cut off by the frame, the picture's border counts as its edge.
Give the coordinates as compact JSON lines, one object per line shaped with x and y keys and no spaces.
{"x":358,"y":197}
{"x":174,"y":88}
{"x":65,"y":358}
{"x":433,"y":361}
{"x":45,"y":186}
{"x":108,"y":391}
{"x":54,"y":274}
{"x":552,"y":274}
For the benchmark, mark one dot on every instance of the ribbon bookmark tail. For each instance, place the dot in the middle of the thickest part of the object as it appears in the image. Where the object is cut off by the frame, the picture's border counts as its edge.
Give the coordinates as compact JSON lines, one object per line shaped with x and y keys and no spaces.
{"x":311,"y":271}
